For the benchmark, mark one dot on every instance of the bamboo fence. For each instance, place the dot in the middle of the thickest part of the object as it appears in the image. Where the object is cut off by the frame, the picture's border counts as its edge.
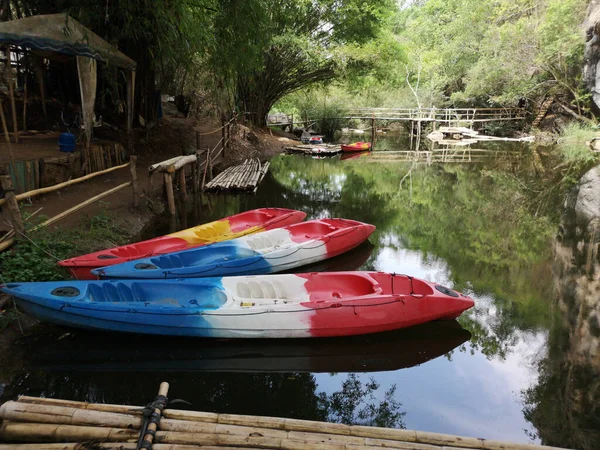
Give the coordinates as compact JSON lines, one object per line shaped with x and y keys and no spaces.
{"x":43,"y":423}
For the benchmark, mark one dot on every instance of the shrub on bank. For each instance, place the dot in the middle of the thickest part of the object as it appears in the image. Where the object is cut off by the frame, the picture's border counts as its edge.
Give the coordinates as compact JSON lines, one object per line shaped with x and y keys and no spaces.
{"x":34,"y":258}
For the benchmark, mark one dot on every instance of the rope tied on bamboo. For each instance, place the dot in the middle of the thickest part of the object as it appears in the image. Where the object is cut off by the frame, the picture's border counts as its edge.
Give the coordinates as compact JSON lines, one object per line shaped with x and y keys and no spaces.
{"x":151,"y":414}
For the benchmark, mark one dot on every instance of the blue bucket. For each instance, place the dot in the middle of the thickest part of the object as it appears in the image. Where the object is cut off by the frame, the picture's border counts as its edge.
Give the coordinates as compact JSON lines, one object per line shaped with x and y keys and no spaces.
{"x":66,"y":142}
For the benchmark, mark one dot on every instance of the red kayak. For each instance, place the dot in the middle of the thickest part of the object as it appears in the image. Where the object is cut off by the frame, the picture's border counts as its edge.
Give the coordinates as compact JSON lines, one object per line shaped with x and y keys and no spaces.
{"x":356,"y":147}
{"x":231,"y":227}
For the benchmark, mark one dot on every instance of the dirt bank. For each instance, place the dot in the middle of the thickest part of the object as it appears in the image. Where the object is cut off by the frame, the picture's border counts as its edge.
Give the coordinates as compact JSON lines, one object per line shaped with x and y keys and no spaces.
{"x":172,"y":137}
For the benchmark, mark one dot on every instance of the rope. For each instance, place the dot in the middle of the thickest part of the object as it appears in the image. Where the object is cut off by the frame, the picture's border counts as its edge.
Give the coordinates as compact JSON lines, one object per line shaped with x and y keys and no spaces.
{"x":150,"y":415}
{"x":218,"y":129}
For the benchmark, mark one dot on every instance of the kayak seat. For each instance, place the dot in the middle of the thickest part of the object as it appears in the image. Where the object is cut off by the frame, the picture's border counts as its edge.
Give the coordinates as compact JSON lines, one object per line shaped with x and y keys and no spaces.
{"x":109,"y":292}
{"x":262,"y":242}
{"x":261,"y":290}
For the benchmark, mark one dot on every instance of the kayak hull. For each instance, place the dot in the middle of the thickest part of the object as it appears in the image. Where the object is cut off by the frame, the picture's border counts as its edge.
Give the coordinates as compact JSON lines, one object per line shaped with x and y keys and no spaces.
{"x":260,"y":253}
{"x":220,"y":230}
{"x":268,"y":306}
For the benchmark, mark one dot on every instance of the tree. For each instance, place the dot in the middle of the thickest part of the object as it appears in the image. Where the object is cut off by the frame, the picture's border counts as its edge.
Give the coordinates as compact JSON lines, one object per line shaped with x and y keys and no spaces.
{"x":267,"y":49}
{"x":498,"y":52}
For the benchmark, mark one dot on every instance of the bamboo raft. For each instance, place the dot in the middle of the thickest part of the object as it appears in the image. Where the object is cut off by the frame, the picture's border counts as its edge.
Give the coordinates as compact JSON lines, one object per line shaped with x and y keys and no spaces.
{"x":241,"y":178}
{"x":43,"y":423}
{"x":314,"y":150}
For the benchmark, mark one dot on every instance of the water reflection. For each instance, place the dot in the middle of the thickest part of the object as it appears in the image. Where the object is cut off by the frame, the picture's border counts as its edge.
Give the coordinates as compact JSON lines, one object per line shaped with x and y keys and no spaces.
{"x":480,"y":227}
{"x":564,"y":405}
{"x":80,"y":351}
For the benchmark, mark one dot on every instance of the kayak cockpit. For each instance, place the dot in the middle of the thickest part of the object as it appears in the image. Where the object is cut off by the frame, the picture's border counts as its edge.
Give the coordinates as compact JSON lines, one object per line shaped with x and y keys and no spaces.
{"x":174,"y":295}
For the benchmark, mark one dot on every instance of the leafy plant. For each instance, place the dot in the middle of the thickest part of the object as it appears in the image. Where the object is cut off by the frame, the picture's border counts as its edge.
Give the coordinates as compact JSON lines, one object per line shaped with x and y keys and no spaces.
{"x":34,"y":259}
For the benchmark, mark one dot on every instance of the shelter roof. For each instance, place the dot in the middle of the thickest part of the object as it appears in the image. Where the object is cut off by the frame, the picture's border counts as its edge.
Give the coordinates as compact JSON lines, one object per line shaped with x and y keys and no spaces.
{"x":62,"y":34}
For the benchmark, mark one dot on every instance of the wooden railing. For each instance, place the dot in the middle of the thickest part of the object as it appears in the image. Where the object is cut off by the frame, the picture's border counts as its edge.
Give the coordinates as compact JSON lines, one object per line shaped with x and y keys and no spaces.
{"x":438,"y":115}
{"x":442,"y":115}
{"x":200,"y":163}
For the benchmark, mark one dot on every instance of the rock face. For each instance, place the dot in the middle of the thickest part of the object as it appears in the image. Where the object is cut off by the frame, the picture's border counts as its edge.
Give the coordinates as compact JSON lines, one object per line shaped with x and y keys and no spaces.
{"x":587,"y":205}
{"x":591,"y":67}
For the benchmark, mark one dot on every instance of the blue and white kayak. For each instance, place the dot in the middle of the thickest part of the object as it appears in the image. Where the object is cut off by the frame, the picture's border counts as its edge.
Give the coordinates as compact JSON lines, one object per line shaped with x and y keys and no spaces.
{"x":260,"y":253}
{"x":260,"y":306}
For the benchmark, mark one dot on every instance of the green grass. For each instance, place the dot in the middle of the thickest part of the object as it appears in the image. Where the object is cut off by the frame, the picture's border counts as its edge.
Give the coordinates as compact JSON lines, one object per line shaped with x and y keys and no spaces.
{"x":572,"y":143}
{"x":35,"y":259}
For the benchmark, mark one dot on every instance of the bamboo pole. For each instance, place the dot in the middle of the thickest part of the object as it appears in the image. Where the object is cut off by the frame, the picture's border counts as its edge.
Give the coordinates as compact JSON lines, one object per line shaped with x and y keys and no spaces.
{"x":163,"y":390}
{"x":41,"y":447}
{"x":182,"y":183}
{"x":13,"y":164}
{"x":80,"y":206}
{"x":58,"y":186}
{"x":25,"y":104}
{"x":170,"y":195}
{"x":65,"y":415}
{"x":195,"y":177}
{"x":176,"y":165}
{"x":41,"y":432}
{"x":165,"y":163}
{"x":114,"y":446}
{"x":134,"y":181}
{"x":223,"y":134}
{"x":374,"y":437}
{"x":13,"y":206}
{"x":11,"y":89}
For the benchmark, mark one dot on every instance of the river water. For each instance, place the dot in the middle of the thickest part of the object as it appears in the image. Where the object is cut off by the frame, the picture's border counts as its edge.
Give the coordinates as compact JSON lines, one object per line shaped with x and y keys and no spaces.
{"x":481,"y":220}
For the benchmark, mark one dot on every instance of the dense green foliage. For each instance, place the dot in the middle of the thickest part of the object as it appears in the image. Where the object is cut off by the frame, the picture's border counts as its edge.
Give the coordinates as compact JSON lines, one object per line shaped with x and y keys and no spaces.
{"x":251,"y":54}
{"x":473,"y":53}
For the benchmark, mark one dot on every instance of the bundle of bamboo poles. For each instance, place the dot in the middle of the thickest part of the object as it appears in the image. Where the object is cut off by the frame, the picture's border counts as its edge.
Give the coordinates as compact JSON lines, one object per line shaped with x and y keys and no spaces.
{"x":61,"y":424}
{"x":243,"y":177}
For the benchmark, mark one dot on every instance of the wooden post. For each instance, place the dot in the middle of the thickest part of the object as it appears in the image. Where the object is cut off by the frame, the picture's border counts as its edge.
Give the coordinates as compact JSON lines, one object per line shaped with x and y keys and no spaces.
{"x":195,"y":175}
{"x":12,"y":94}
{"x":227,"y":134}
{"x":372,"y":133}
{"x":223,"y":134}
{"x":25,"y":103}
{"x":182,"y":183}
{"x":170,"y":196}
{"x":134,"y":181}
{"x":11,"y":201}
{"x":151,"y":430}
{"x":13,"y":164}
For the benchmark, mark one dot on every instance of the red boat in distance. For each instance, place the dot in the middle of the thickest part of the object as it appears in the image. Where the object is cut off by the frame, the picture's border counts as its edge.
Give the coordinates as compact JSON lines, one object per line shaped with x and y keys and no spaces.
{"x":356,"y":147}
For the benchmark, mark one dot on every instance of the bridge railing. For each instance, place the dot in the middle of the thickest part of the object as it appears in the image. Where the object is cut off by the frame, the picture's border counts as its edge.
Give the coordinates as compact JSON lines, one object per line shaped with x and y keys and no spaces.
{"x":441,"y":115}
{"x":438,"y":114}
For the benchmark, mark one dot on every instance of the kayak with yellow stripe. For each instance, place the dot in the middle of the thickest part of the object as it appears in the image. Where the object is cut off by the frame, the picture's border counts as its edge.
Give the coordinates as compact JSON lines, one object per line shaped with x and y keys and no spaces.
{"x":231,"y":227}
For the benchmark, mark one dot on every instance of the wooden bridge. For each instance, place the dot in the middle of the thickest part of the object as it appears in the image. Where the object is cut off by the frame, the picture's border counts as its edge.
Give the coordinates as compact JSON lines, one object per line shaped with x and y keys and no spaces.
{"x":447,"y":116}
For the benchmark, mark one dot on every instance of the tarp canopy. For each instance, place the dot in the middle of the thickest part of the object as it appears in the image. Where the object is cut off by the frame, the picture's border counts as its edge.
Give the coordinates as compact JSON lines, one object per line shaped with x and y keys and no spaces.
{"x":62,"y":34}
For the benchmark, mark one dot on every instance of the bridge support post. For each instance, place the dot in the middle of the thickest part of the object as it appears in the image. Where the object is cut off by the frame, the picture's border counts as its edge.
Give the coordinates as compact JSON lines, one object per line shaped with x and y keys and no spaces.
{"x":372,"y":133}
